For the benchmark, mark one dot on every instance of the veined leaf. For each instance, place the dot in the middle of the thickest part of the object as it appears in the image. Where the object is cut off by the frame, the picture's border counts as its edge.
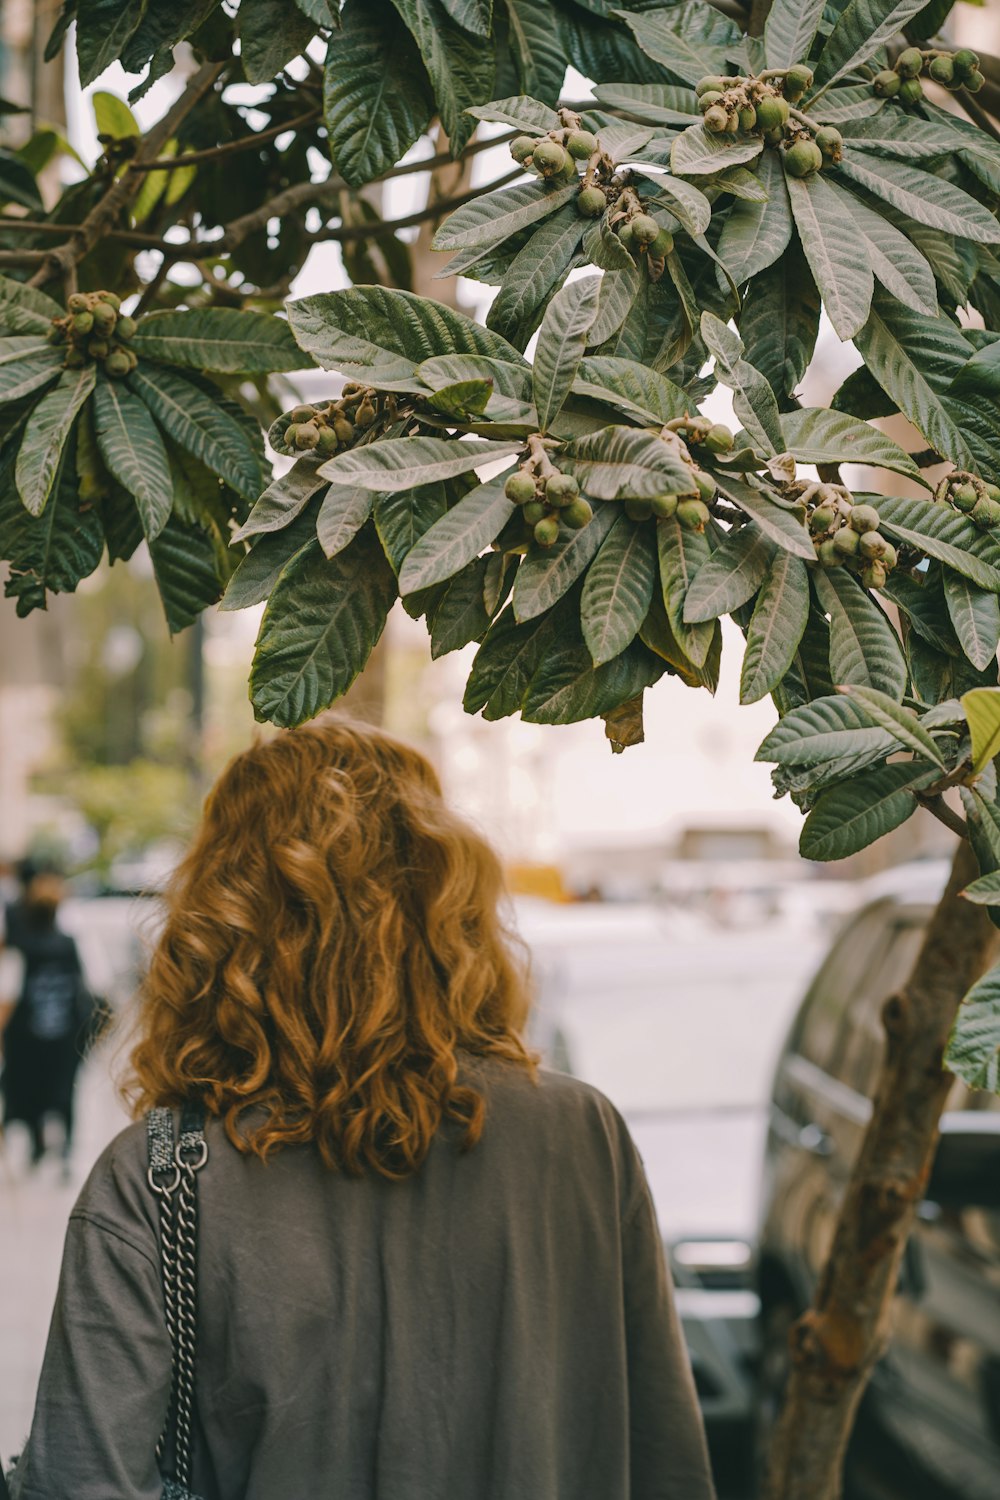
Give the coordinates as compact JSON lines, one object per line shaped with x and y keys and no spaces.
{"x":104,"y":28}
{"x":562,"y":340}
{"x":854,"y":814}
{"x":341,"y":515}
{"x":546,"y":575}
{"x":259,"y":571}
{"x":975,"y":614}
{"x":133,"y":450}
{"x":895,"y":260}
{"x":944,"y":534}
{"x":816,"y":435}
{"x":620,"y":461}
{"x":980,"y":375}
{"x":922,"y":196}
{"x":538,"y":49}
{"x":839,"y":106}
{"x":220,"y":339}
{"x":463,"y":398}
{"x":776,"y":627}
{"x":617,"y":294}
{"x":401,"y":463}
{"x":458,"y":537}
{"x":731,"y":576}
{"x":375,"y":332}
{"x":402,"y":519}
{"x":509,"y":657}
{"x":753,"y":399}
{"x":323,"y":618}
{"x":777,"y":523}
{"x":861,"y":29}
{"x":973,"y":1051}
{"x":682,"y":555}
{"x":24,"y":309}
{"x":461,"y":68}
{"x":271,"y":34}
{"x":826,"y":729}
{"x":534,"y":271}
{"x":789,"y":31}
{"x":696,"y":152}
{"x":633,"y":386}
{"x":617,"y":589}
{"x":377,"y":98}
{"x":510,"y":381}
{"x":186,"y":567}
{"x":526,"y":114}
{"x":50,"y":553}
{"x":566,"y":688}
{"x":985,"y":891}
{"x":864,"y":649}
{"x":755,"y":235}
{"x":653,"y":103}
{"x":982,"y":713}
{"x":779,"y":321}
{"x":26,"y":364}
{"x":198,"y":424}
{"x":46,"y":435}
{"x":493,"y":218}
{"x":837,"y":255}
{"x":283,"y":499}
{"x":898,"y":721}
{"x":687,"y":203}
{"x":690,"y":40}
{"x":460,"y":615}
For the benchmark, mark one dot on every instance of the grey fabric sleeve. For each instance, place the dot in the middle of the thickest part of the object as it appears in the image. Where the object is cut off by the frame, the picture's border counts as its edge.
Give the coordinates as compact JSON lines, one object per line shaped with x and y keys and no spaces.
{"x":105,"y":1382}
{"x":669,"y":1457}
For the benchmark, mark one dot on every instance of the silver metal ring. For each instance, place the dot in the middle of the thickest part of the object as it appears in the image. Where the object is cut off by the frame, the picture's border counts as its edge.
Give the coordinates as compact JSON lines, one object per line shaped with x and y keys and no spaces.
{"x":183,"y":1158}
{"x":167,"y":1187}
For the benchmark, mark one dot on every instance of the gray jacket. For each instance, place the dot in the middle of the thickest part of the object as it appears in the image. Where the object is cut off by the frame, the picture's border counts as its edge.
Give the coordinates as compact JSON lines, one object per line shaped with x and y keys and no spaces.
{"x":500,"y":1326}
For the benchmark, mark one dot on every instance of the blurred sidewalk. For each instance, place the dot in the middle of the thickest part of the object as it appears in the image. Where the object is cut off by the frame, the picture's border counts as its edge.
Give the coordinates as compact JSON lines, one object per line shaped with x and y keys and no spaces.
{"x":34,"y":1209}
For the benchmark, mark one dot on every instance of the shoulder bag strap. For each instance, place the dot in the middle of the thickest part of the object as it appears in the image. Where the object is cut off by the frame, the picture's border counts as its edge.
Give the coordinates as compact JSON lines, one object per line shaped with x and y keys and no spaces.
{"x":172,"y":1175}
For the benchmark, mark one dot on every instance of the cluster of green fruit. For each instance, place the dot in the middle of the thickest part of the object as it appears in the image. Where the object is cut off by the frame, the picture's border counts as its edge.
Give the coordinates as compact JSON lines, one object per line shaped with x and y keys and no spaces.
{"x":847,"y":535}
{"x":555,"y":155}
{"x":757,"y":106}
{"x":641,"y":235}
{"x":691,"y":510}
{"x":327,"y":429}
{"x":974,"y":497}
{"x":95,"y":328}
{"x":547,"y":501}
{"x":955,"y":70}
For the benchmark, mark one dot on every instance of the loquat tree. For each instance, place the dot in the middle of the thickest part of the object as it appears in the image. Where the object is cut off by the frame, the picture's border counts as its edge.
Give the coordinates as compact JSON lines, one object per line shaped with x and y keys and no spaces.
{"x":740,"y":170}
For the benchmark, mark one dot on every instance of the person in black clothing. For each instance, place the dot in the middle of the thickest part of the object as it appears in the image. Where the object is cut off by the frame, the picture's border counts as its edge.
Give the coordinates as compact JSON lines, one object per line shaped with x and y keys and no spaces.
{"x":42,"y":1031}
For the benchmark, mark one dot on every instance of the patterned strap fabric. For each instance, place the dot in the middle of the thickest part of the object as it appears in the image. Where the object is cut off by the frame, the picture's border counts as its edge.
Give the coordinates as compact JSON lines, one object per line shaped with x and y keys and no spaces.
{"x":173,"y":1177}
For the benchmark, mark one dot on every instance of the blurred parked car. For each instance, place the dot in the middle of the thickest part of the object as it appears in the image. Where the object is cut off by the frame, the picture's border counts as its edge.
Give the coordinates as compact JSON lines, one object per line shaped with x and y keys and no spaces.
{"x":929,"y":1425}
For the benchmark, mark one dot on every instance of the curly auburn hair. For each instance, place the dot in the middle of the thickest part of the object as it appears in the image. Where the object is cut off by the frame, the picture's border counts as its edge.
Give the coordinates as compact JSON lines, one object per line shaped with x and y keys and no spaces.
{"x":332,"y":939}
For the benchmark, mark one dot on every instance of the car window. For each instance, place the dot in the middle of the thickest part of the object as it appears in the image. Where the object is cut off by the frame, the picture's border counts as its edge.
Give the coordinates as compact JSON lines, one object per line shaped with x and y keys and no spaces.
{"x":859,"y":1050}
{"x":843,"y":973}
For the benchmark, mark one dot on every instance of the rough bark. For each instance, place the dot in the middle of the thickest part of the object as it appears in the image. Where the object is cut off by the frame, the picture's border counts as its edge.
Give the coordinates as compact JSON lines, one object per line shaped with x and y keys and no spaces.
{"x":835,"y":1345}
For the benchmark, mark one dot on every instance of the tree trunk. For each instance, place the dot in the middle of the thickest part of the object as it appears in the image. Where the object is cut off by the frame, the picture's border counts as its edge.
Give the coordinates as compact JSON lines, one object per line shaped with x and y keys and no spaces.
{"x":836,"y":1344}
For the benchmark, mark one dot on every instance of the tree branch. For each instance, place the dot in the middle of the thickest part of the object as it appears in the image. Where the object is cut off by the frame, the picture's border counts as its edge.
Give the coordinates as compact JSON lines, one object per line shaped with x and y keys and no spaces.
{"x":245,"y":143}
{"x":939,"y":808}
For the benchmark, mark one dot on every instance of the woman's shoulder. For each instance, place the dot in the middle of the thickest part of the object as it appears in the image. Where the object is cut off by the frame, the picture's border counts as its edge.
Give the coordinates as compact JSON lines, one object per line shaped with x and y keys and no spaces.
{"x":116,"y":1195}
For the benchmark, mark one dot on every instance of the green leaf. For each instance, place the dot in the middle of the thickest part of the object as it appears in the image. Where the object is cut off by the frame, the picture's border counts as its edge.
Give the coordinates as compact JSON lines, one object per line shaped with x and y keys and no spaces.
{"x":617,"y":294}
{"x":547,"y":574}
{"x":777,"y":523}
{"x":840,"y":106}
{"x":113,"y":117}
{"x":461,"y":68}
{"x":682,"y":555}
{"x":526,"y":114}
{"x":102,"y":29}
{"x":512,"y":382}
{"x":379,"y":334}
{"x":779,"y":321}
{"x":975,"y":614}
{"x":186,"y":571}
{"x":562,"y":340}
{"x":322,"y":621}
{"x":687,"y":203}
{"x":690,"y":39}
{"x":985,"y":891}
{"x":24,"y":309}
{"x":617,"y":589}
{"x":625,"y":383}
{"x":401,"y":463}
{"x":731,"y":576}
{"x":17,"y":182}
{"x":696,"y":152}
{"x":49,"y":553}
{"x":864,"y":649}
{"x":566,"y":688}
{"x":776,"y":627}
{"x":981,"y":374}
{"x":789,"y":31}
{"x":900,"y":722}
{"x":537,"y":47}
{"x":618,"y":461}
{"x":944,"y":534}
{"x":377,"y":99}
{"x":915,"y":359}
{"x":460,"y":615}
{"x":753,"y":399}
{"x":220,"y":339}
{"x":895,"y":260}
{"x":462,"y":398}
{"x":197,"y":423}
{"x":922,"y":196}
{"x":973,"y":1050}
{"x":46,"y":434}
{"x":260,"y":569}
{"x":271,"y":34}
{"x":982,"y":712}
{"x":837,"y":256}
{"x":133,"y":450}
{"x":510,"y":655}
{"x":341,"y":515}
{"x":856,"y":813}
{"x":827,"y":729}
{"x":534,"y":271}
{"x":861,"y":29}
{"x":495,"y":217}
{"x":816,"y":435}
{"x":26,"y":364}
{"x":653,"y":103}
{"x":458,"y":537}
{"x":755,"y":235}
{"x":285,"y":497}
{"x":402,"y":519}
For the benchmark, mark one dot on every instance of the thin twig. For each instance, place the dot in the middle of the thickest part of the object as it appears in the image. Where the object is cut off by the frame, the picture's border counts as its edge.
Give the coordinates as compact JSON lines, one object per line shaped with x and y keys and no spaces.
{"x":245,"y":143}
{"x":939,"y":809}
{"x":976,"y":112}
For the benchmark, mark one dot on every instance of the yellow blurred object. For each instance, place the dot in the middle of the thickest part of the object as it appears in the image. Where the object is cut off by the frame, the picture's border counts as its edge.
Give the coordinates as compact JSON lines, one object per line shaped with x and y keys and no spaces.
{"x":543,"y":881}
